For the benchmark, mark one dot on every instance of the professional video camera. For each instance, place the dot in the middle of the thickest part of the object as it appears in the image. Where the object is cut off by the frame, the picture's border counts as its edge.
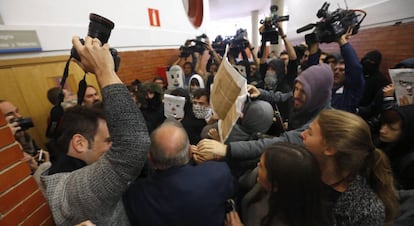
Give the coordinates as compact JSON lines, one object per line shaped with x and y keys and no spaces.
{"x":197,"y":45}
{"x":219,"y":44}
{"x":333,"y":24}
{"x":239,"y":42}
{"x":270,"y":32}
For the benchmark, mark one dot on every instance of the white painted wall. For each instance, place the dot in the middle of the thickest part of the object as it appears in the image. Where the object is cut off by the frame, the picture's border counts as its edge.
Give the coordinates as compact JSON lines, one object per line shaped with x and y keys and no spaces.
{"x":379,"y":12}
{"x":302,"y":12}
{"x":56,"y":21}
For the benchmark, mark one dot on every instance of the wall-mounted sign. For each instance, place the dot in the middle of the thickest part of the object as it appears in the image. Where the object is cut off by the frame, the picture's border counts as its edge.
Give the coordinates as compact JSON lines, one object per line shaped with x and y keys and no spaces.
{"x":15,"y":41}
{"x":154,"y":17}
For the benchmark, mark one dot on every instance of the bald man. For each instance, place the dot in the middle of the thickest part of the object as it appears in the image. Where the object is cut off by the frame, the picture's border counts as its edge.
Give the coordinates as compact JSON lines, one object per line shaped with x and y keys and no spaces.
{"x":11,"y":113}
{"x":179,"y":193}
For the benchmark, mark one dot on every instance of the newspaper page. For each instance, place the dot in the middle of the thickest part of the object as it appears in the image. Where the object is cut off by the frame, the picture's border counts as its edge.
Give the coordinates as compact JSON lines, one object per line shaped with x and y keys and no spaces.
{"x":174,"y":106}
{"x":403,"y":81}
{"x":228,"y":95}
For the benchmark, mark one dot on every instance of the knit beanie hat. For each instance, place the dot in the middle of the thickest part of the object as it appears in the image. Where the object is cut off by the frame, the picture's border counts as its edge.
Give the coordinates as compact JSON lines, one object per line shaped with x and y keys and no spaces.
{"x":317,"y":82}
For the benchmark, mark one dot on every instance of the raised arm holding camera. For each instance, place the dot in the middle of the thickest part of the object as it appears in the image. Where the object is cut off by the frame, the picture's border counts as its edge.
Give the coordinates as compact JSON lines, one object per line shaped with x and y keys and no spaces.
{"x":338,"y":26}
{"x":94,"y":192}
{"x":349,"y":80}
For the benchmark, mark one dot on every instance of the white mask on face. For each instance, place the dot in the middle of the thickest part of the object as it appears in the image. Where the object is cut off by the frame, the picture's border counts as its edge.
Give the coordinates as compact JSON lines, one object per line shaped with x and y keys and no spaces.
{"x":201,"y":112}
{"x":270,"y":79}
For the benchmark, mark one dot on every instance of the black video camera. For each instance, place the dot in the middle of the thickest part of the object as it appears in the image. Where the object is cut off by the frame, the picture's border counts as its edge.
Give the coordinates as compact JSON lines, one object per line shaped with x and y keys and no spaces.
{"x":333,"y":24}
{"x":24,"y":123}
{"x":197,"y":45}
{"x":219,"y":44}
{"x":239,"y":43}
{"x":270,"y":32}
{"x":100,"y":28}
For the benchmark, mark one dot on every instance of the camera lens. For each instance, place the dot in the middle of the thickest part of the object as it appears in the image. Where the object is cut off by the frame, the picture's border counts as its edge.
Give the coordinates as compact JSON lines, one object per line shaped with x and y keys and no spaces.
{"x":100,"y":27}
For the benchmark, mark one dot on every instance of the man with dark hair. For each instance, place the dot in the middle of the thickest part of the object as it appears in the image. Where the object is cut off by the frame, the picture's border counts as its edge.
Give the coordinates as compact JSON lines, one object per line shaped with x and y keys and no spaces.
{"x":94,"y":192}
{"x":178,"y":193}
{"x":197,"y":114}
{"x":83,"y":139}
{"x":69,"y":99}
{"x":91,"y":96}
{"x":349,"y":82}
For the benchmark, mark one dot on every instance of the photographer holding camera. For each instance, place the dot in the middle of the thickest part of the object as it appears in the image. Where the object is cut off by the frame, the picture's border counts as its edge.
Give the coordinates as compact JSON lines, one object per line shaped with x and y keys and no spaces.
{"x":193,"y":48}
{"x":349,"y":82}
{"x":18,"y":126}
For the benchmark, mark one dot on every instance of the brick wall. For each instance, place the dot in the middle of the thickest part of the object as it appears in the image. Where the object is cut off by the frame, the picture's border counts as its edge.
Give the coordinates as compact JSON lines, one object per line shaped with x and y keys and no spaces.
{"x":395,"y":42}
{"x":21,"y":201}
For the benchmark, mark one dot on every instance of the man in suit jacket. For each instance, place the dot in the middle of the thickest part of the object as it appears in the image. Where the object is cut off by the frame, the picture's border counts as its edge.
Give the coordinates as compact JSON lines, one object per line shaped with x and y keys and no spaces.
{"x":179,"y":193}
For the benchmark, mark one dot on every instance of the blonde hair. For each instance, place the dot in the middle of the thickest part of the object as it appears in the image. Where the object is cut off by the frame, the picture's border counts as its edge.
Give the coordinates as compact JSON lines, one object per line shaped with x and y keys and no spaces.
{"x":350,"y":135}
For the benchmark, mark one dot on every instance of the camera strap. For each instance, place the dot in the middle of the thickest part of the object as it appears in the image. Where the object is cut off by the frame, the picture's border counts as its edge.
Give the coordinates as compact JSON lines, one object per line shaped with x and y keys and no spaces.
{"x":56,"y":113}
{"x":82,"y":89}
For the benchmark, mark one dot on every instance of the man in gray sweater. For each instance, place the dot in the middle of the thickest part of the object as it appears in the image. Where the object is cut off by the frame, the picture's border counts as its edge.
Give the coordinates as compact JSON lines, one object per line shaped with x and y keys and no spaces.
{"x":94,"y":192}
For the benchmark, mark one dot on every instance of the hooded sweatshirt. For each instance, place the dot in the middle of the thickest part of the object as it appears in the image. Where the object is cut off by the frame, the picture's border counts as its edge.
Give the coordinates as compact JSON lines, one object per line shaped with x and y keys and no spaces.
{"x":257,"y":118}
{"x":199,"y":79}
{"x":278,"y":82}
{"x":317,"y":82}
{"x":401,"y":153}
{"x":374,"y":79}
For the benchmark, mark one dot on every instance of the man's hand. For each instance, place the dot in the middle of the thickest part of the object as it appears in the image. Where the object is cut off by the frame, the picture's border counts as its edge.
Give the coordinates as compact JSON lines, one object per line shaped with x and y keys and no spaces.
{"x":233,"y":219}
{"x":213,"y":134}
{"x":209,"y":150}
{"x":404,"y":100}
{"x":388,"y":91}
{"x":253,"y":91}
{"x":280,"y":30}
{"x":96,"y":59}
{"x":42,"y":156}
{"x":345,"y":37}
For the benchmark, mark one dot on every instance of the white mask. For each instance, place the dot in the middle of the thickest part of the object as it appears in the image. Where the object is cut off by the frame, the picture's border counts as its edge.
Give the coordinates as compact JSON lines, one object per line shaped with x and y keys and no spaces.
{"x":270,"y":79}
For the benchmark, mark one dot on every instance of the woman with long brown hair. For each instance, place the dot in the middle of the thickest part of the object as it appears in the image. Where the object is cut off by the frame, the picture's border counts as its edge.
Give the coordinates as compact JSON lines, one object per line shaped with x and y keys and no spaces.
{"x":359,"y":182}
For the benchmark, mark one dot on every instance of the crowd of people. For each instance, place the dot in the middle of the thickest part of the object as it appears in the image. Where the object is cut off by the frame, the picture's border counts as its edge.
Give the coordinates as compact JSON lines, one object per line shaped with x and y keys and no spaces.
{"x":321,"y":141}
